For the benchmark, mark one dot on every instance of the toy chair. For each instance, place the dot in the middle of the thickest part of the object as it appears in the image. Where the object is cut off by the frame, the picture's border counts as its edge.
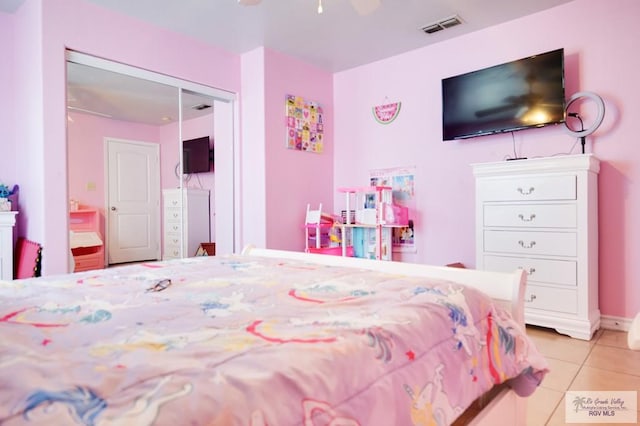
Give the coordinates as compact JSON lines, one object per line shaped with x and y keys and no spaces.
{"x":312,"y":227}
{"x":28,"y":259}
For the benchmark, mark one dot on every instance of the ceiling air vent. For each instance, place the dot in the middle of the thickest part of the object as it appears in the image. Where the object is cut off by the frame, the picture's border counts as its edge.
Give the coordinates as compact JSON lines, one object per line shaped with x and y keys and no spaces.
{"x":200,"y":107}
{"x":449,"y":22}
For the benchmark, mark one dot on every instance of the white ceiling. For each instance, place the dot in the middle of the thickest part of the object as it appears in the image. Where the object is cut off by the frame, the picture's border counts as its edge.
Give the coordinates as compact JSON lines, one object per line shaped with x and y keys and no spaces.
{"x":338,"y":39}
{"x":335,"y":40}
{"x":121,"y":97}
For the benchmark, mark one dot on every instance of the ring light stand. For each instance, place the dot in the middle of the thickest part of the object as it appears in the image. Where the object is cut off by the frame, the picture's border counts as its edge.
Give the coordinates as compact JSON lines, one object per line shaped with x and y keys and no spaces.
{"x":583,"y":133}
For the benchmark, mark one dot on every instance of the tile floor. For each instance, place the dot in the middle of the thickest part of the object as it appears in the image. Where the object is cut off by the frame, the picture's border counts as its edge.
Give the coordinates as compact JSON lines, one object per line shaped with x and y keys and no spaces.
{"x":603,"y":363}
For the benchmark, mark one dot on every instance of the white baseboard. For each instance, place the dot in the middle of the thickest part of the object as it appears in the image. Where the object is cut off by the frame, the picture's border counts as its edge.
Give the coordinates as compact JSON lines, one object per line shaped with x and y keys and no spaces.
{"x":608,"y":322}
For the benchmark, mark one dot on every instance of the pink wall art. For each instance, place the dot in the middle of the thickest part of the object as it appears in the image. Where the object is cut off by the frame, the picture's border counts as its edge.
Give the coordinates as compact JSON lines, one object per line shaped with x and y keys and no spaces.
{"x":305,"y":128}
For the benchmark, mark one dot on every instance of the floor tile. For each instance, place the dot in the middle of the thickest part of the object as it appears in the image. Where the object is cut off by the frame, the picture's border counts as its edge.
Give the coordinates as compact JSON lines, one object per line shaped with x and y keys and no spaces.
{"x":561,"y":374}
{"x":596,"y":379}
{"x":616,"y":359}
{"x":558,"y":416}
{"x":541,"y":405}
{"x":558,"y":346}
{"x":613,"y":338}
{"x":603,"y":363}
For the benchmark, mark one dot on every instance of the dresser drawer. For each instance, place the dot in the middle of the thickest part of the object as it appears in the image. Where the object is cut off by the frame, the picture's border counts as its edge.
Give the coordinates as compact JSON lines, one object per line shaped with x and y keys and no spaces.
{"x":172,"y":240}
{"x":551,"y":299}
{"x":528,"y":188}
{"x":531,"y":215}
{"x":172,"y":216}
{"x":171,"y":252}
{"x":170,"y":202}
{"x":529,"y":242}
{"x":562,"y":272}
{"x":172,"y":227}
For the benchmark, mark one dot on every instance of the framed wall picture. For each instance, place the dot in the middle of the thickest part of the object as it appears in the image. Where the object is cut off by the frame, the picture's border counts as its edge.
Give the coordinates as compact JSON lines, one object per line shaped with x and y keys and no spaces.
{"x":305,"y":126}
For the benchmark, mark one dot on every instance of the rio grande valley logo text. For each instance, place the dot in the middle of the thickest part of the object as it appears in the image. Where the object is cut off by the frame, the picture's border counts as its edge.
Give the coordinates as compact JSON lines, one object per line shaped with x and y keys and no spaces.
{"x":597,"y":407}
{"x":601,"y":407}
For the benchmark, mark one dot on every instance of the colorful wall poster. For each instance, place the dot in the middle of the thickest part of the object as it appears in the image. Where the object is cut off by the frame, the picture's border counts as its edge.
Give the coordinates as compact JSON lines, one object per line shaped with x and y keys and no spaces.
{"x":402,"y":181}
{"x":305,"y":127}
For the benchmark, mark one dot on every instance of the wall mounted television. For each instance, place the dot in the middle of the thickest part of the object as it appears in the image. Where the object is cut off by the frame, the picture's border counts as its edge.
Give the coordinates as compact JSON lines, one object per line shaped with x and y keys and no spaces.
{"x":521,"y":94}
{"x":197,"y":155}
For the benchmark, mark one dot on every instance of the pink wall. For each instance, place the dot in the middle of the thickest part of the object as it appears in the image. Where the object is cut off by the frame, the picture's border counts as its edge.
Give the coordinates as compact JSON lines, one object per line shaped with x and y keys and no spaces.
{"x":29,"y":124}
{"x":278,"y":182}
{"x":599,"y":57}
{"x":252,"y":151}
{"x":7,"y":118}
{"x":294,"y":178}
{"x":43,"y":29}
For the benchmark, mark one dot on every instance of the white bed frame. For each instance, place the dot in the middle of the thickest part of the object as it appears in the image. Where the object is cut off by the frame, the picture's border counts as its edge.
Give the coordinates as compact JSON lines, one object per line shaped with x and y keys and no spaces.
{"x":506,"y":408}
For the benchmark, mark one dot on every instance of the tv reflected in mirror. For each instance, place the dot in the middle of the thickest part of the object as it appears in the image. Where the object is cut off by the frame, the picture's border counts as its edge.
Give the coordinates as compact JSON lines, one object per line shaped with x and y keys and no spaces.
{"x":197,"y":155}
{"x":521,"y":94}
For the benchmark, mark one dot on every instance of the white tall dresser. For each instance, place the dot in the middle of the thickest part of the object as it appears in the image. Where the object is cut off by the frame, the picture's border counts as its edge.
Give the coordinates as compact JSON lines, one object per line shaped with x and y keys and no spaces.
{"x":182,"y":238}
{"x":541,"y":215}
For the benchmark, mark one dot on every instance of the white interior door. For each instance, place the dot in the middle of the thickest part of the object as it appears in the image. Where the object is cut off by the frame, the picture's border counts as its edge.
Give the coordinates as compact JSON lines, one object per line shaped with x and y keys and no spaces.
{"x":133,"y":201}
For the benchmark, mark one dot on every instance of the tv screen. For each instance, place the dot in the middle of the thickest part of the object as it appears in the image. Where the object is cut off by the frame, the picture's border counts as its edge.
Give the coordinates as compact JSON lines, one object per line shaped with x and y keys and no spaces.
{"x":196,"y":155}
{"x":525,"y":93}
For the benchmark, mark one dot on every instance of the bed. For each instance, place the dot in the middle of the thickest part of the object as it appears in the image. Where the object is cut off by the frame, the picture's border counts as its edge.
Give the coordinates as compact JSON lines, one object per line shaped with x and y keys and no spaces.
{"x":266,"y":337}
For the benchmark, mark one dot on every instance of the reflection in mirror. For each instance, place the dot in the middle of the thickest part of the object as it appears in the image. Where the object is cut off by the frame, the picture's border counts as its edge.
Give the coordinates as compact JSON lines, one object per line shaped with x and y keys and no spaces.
{"x":197,"y":184}
{"x":118,"y":128}
{"x":131,"y":119}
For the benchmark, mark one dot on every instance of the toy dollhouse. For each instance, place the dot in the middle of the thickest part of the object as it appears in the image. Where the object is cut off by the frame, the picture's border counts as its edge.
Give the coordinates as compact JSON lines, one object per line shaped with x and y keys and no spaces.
{"x":323,"y":233}
{"x":363,"y":230}
{"x":375,"y":217}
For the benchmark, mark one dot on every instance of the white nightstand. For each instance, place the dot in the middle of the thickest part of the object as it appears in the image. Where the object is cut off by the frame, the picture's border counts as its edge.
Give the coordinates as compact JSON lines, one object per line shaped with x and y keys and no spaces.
{"x":7,"y":223}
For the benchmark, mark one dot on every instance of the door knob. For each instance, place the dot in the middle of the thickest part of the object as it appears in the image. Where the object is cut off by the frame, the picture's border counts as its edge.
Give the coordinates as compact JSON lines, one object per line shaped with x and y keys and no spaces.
{"x":113,"y":209}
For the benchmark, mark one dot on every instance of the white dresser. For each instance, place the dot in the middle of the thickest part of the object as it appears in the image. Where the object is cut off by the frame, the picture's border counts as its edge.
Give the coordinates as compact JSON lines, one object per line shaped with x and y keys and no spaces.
{"x":541,"y":215}
{"x":7,"y":222}
{"x":188,"y":234}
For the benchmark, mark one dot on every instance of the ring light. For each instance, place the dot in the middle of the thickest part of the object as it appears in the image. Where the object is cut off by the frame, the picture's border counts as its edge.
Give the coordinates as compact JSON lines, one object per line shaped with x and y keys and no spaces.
{"x":598,"y":100}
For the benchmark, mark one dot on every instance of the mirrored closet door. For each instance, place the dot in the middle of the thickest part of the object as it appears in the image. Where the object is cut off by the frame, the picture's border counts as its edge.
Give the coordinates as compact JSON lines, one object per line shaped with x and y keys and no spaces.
{"x":126,"y":129}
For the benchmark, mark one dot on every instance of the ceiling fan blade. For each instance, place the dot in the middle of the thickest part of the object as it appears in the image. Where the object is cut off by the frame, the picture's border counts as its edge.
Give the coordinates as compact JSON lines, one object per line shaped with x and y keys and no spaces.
{"x":249,"y":2}
{"x":365,"y":7}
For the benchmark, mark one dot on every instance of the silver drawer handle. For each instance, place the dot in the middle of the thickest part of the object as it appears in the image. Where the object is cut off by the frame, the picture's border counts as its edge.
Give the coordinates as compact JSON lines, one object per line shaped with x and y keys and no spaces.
{"x":529,"y":272}
{"x":525,"y":191}
{"x":531,"y":217}
{"x":531,"y":298}
{"x":523,"y":245}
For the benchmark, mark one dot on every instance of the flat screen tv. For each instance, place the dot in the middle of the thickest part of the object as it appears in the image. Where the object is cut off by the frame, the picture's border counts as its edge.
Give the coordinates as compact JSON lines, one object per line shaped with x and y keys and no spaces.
{"x":528,"y":92}
{"x":196,"y":155}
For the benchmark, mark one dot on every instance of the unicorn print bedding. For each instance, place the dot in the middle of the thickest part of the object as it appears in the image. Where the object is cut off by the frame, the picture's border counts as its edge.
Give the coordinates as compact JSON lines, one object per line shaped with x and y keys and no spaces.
{"x":242,"y":340}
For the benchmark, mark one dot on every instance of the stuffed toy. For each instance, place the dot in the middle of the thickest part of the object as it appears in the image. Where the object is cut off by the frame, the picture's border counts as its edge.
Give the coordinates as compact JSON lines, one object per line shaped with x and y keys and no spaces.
{"x":4,"y":191}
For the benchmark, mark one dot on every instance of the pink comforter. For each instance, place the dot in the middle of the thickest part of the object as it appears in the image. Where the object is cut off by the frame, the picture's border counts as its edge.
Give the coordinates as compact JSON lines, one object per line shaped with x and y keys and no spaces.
{"x":248,"y":341}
